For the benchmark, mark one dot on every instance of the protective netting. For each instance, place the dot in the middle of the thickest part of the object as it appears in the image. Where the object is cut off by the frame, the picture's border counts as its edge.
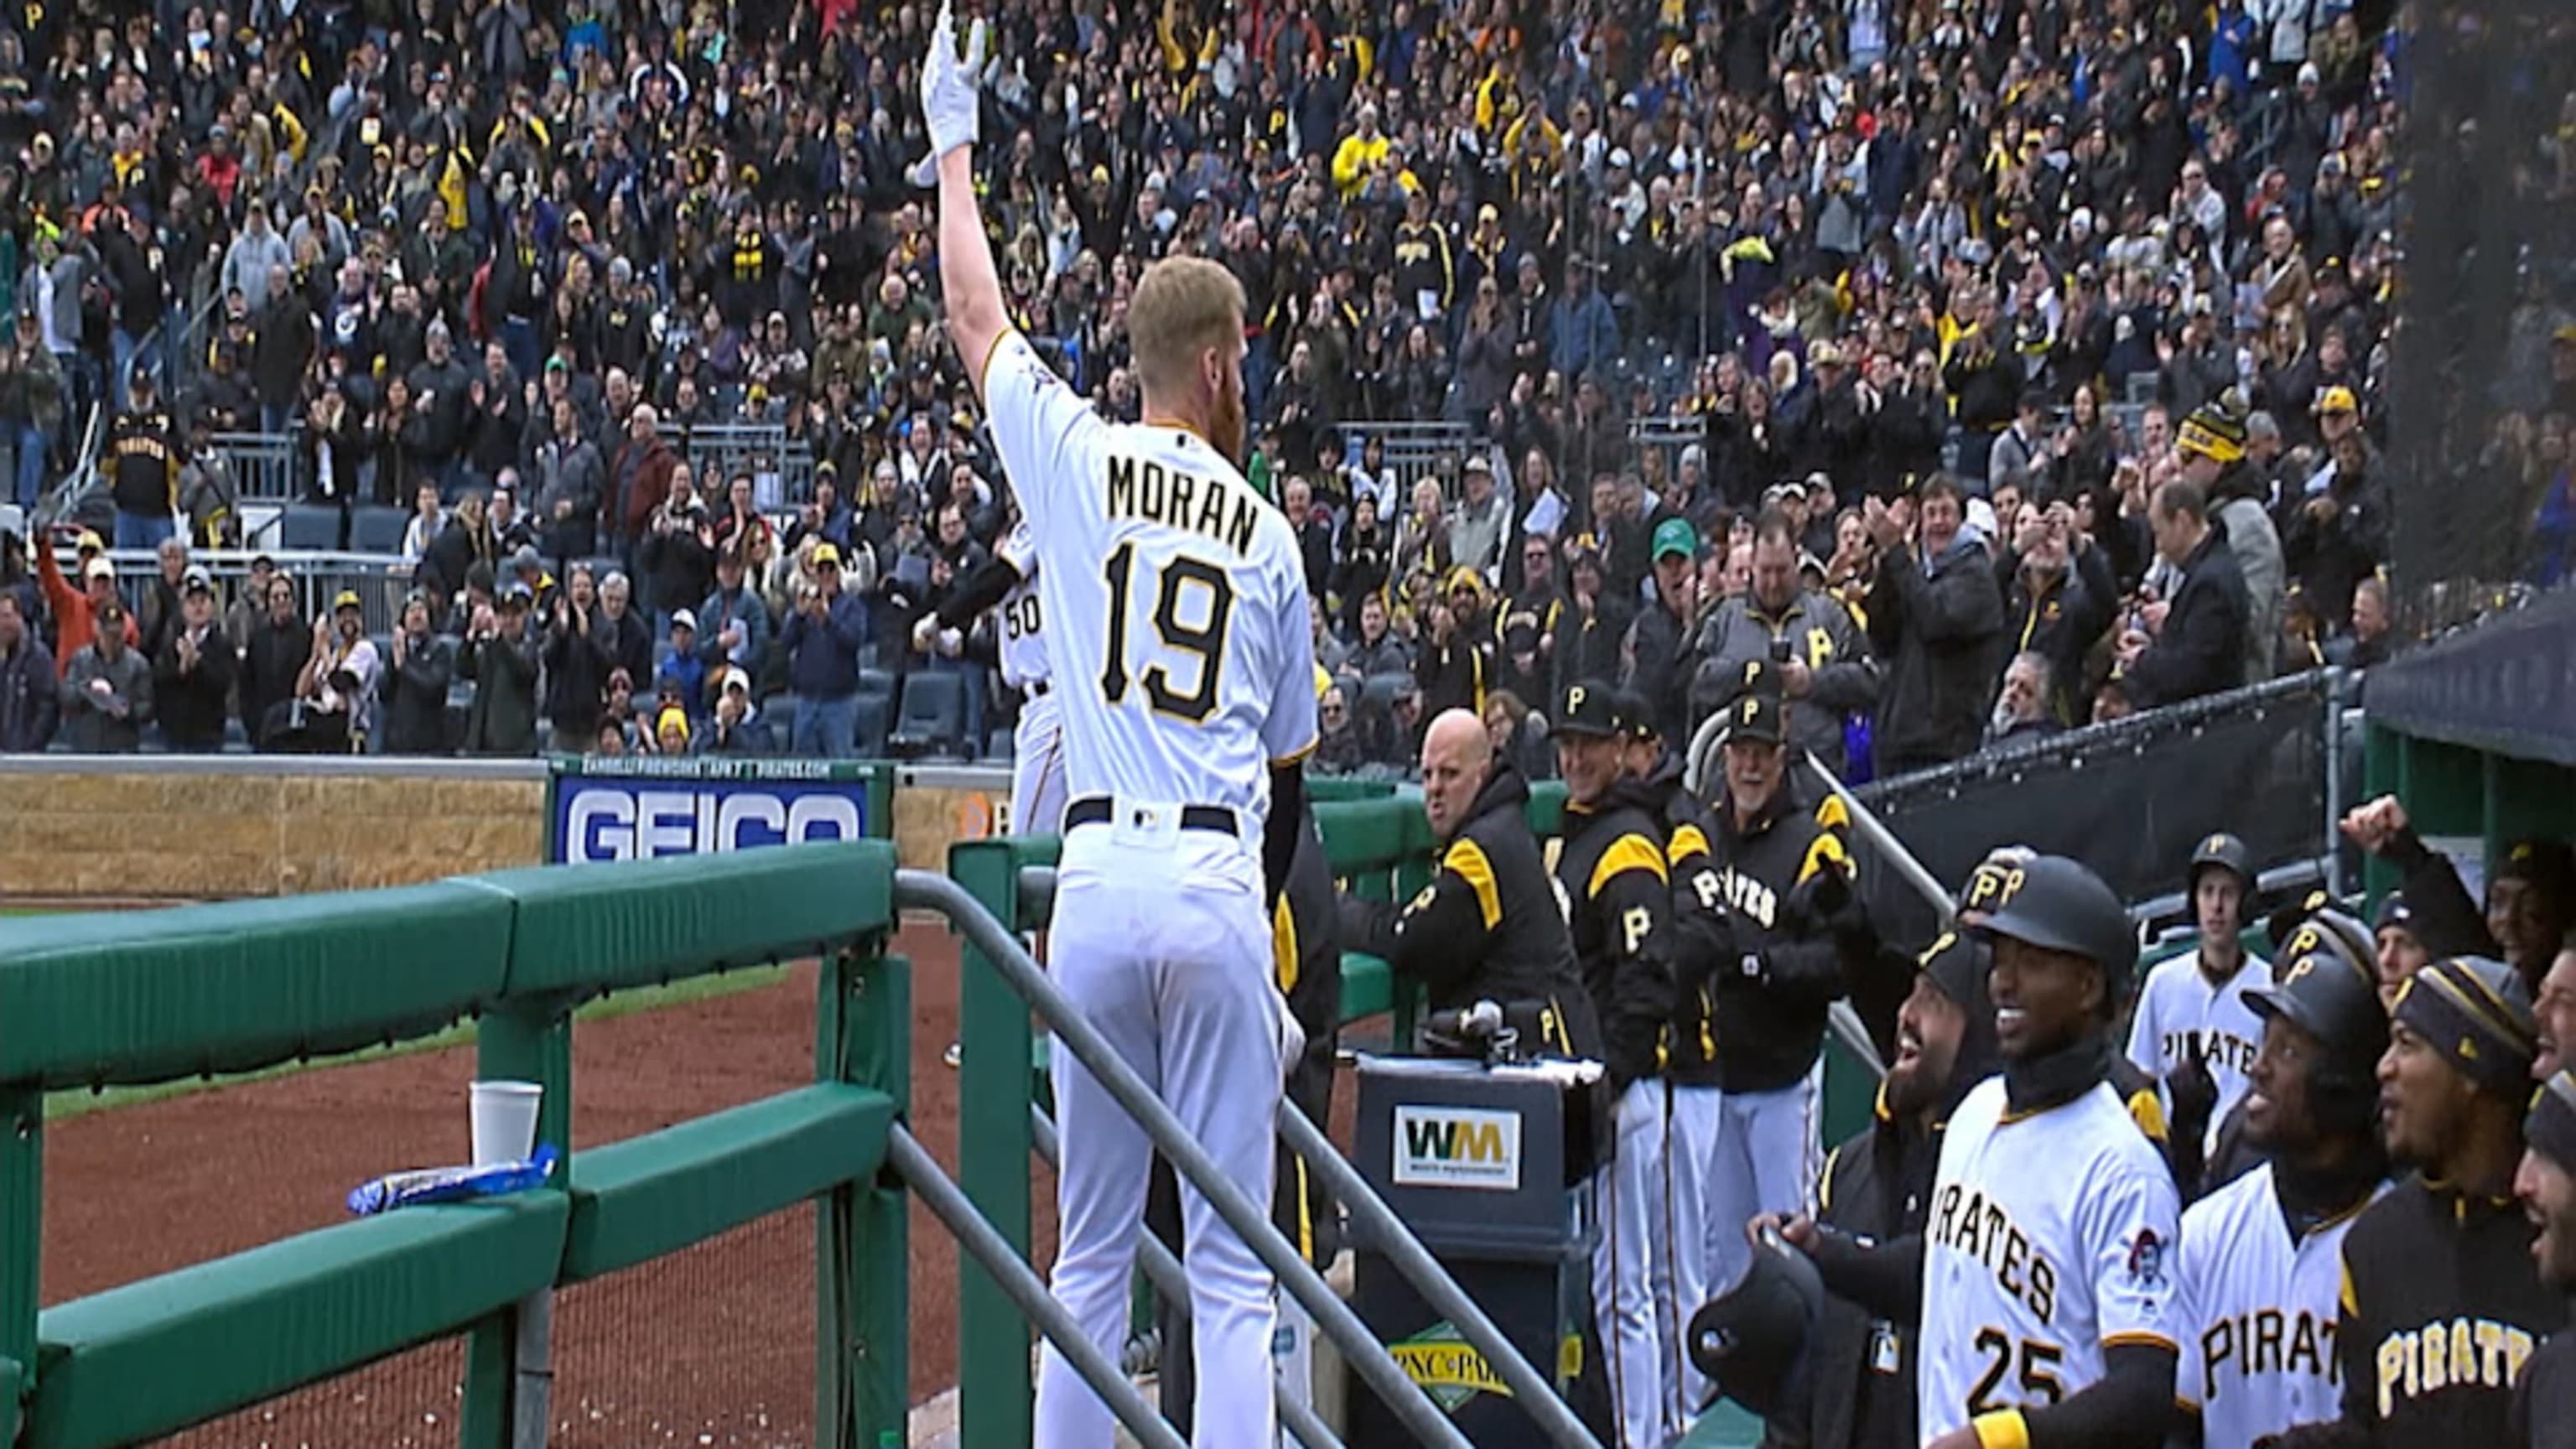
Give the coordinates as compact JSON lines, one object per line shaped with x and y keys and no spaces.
{"x":2483,"y":368}
{"x":711,"y":1346}
{"x":409,"y":1401}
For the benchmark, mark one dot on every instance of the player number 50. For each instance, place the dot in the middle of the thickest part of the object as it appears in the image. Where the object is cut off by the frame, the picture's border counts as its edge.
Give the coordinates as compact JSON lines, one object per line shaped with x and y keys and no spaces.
{"x":1204,"y":641}
{"x":2038,"y":1375}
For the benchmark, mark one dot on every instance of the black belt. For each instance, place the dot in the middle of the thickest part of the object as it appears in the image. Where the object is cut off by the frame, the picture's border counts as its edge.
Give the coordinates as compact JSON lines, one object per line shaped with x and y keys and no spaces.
{"x":1097,"y":810}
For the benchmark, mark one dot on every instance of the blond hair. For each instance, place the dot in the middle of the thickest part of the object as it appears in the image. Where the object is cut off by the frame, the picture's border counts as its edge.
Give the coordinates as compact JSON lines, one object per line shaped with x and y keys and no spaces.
{"x":1183,"y":306}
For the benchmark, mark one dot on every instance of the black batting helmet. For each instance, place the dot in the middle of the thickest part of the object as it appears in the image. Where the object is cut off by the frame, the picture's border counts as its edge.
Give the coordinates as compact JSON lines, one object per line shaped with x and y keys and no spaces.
{"x":2226,"y":852}
{"x":1752,"y":1343}
{"x":2059,"y":904}
{"x":2332,"y":995}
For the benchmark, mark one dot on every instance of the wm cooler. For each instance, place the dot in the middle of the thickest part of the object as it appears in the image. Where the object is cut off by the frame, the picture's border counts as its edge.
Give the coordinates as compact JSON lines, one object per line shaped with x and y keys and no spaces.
{"x":1483,"y":1163}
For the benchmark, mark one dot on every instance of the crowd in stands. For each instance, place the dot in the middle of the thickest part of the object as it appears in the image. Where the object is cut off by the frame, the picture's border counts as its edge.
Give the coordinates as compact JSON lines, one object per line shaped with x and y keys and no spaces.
{"x":2017,"y":365}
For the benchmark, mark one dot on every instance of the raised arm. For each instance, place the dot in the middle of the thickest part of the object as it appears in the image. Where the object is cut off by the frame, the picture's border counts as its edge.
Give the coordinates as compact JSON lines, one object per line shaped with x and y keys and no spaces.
{"x":969,"y":287}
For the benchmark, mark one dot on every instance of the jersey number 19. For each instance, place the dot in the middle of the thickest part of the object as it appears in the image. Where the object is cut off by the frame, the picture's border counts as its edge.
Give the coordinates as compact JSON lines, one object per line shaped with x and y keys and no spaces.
{"x":1203,"y":641}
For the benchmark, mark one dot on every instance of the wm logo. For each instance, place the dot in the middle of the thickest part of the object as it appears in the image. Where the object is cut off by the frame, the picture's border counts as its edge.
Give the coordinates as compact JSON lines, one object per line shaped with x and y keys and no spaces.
{"x":1443,"y":1146}
{"x":1448,"y":1140}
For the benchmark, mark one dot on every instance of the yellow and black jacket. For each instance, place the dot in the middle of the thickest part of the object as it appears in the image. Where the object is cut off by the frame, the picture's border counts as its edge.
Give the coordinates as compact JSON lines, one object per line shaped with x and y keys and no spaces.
{"x":1488,"y":927}
{"x":1791,"y":966}
{"x":1703,"y":939}
{"x":1618,"y":893}
{"x":143,"y":462}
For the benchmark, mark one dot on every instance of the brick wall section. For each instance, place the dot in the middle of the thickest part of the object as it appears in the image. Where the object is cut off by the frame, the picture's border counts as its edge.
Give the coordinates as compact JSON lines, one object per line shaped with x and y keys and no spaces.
{"x":215,"y":836}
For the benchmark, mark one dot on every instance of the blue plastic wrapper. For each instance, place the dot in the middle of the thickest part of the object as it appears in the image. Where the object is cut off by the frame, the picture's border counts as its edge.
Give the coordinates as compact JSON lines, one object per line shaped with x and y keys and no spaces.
{"x":450,"y":1184}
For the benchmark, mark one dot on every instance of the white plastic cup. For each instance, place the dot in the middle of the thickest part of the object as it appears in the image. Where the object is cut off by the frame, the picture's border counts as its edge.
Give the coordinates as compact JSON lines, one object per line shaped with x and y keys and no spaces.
{"x":505,"y":1121}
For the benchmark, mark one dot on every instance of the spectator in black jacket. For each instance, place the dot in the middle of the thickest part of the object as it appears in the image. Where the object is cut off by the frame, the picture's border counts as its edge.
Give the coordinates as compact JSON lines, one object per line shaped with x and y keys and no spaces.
{"x":2335,"y":538}
{"x":192,"y":675}
{"x":273,"y":653}
{"x":2060,"y":601}
{"x":1663,"y":645}
{"x":467,"y":539}
{"x":1314,"y":531}
{"x":500,"y":656}
{"x":1935,"y":620}
{"x":2194,"y":643}
{"x":30,"y":705}
{"x":625,"y":638}
{"x":1591,"y":626}
{"x":1455,"y":663}
{"x":576,"y":668}
{"x":415,"y":684}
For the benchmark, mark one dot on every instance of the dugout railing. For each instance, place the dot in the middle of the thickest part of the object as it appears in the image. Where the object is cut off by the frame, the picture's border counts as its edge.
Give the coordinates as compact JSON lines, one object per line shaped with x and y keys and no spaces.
{"x":91,"y":1001}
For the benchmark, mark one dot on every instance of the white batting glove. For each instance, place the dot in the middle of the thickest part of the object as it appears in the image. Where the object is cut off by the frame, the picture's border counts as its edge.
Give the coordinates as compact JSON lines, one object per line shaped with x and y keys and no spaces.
{"x":925,"y":633}
{"x":1292,"y":1035}
{"x":950,"y":103}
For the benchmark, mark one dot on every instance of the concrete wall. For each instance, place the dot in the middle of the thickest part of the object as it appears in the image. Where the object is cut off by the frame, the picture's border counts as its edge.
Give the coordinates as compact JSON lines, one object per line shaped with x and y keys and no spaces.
{"x":164,"y":828}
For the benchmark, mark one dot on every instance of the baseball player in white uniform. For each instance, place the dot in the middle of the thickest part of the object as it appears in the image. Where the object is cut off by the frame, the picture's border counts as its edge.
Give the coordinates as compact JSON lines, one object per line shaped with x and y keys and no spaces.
{"x":1008,"y":584}
{"x":1180,"y":636}
{"x":2194,"y":1008}
{"x":2049,"y":1281}
{"x":2262,"y":1258}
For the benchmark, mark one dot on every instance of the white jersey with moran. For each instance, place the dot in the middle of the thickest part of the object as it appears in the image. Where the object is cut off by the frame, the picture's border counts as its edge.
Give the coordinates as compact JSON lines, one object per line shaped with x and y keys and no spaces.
{"x":1173,"y":595}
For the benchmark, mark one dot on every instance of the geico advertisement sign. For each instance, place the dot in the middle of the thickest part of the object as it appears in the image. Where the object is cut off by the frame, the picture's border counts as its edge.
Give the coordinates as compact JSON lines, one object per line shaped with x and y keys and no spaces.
{"x":623,"y":822}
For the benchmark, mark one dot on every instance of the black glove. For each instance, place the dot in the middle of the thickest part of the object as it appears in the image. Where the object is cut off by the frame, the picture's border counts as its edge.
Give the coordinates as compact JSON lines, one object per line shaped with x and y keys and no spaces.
{"x":2194,"y":1094}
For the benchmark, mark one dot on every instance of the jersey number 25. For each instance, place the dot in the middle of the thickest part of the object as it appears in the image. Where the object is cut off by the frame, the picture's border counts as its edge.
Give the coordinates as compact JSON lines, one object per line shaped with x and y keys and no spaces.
{"x":1203,"y":642}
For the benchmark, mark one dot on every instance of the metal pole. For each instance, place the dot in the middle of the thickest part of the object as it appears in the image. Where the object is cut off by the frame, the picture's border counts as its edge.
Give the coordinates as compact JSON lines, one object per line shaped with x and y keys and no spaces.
{"x":1172,"y":1281}
{"x":1405,"y":1398}
{"x":2326,"y":846}
{"x":1547,"y":1408}
{"x":976,"y":1236}
{"x":1874,"y":832}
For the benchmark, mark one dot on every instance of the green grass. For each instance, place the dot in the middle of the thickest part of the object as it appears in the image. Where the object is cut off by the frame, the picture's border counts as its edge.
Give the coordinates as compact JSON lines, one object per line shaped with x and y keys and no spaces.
{"x":79,"y":1102}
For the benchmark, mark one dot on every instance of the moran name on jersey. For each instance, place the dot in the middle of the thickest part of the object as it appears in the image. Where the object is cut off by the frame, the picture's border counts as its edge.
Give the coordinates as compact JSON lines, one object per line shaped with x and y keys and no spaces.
{"x":1972,"y":1223}
{"x":2466,"y":1352}
{"x":1141,"y":488}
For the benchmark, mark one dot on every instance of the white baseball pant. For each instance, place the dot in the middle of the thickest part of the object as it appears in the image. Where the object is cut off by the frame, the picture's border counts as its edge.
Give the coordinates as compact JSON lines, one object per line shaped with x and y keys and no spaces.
{"x":1766,"y":1161}
{"x":1628,"y":1204}
{"x":1693,"y":1118}
{"x":1160,"y":940}
{"x":1037,"y":767}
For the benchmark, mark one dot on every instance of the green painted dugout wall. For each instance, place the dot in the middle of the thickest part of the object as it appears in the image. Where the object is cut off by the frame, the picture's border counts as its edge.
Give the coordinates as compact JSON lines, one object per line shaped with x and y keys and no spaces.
{"x":142,"y":997}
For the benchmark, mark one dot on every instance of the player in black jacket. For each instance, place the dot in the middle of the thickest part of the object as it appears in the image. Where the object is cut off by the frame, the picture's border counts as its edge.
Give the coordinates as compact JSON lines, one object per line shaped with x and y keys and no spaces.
{"x":1703,"y":945}
{"x":1488,"y":927}
{"x":142,"y":464}
{"x":1611,"y":872}
{"x":1875,"y":1186}
{"x":2441,"y":1307}
{"x":1801,"y":940}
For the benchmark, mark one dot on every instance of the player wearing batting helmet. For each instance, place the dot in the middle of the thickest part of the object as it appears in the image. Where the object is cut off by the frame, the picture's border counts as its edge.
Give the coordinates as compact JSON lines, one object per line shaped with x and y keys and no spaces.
{"x":2440,"y":1307}
{"x":1876,"y":1188}
{"x":2544,"y":1398}
{"x":2194,"y":1030}
{"x":2261,"y":1260}
{"x":2050,"y":1313}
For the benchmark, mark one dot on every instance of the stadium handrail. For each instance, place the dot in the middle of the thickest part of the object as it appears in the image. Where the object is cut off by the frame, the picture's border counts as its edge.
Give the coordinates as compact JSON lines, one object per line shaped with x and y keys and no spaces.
{"x":141,"y":997}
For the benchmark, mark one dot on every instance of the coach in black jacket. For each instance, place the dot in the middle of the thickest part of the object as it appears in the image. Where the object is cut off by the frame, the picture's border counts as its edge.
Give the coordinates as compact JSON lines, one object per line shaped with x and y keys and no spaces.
{"x":2200,"y":647}
{"x":1488,"y":927}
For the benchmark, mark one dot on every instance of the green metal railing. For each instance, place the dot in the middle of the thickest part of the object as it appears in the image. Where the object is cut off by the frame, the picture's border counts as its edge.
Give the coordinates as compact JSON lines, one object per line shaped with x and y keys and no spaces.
{"x":134,"y":998}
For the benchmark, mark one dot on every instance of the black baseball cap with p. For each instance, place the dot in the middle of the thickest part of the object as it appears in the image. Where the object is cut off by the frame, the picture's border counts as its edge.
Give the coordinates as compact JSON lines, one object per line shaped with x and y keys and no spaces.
{"x":1591,"y":711}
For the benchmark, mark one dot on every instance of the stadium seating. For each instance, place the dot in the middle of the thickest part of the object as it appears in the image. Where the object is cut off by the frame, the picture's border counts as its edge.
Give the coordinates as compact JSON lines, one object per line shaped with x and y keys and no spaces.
{"x":308,"y":526}
{"x":374,"y":528}
{"x":933,"y":715}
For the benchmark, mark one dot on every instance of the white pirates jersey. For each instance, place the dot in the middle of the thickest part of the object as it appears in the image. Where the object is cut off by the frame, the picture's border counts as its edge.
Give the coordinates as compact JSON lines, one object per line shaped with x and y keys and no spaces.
{"x":1178,"y":638}
{"x":2050,"y":1239}
{"x":2178,"y":1010}
{"x":2259,"y":1314}
{"x":1023,"y":645}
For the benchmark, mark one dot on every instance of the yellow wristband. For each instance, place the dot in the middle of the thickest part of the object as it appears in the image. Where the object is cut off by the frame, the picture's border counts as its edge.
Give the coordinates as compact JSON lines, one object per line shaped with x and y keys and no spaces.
{"x":2002,"y":1429}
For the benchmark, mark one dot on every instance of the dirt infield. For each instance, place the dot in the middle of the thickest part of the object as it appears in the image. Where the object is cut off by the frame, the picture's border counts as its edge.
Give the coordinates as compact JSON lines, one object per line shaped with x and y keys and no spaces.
{"x":710,"y":1347}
